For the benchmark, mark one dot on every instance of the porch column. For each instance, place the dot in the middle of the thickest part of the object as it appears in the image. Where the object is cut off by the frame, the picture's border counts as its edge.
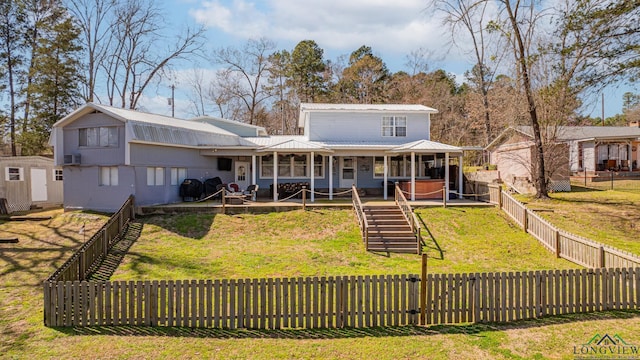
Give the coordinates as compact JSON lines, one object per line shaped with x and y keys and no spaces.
{"x":413,"y":176}
{"x":254,"y":170}
{"x":629,"y":157}
{"x":386,"y":176}
{"x":313,"y":178}
{"x":275,"y":176}
{"x":330,"y":177}
{"x":446,"y":175}
{"x":460,"y":178}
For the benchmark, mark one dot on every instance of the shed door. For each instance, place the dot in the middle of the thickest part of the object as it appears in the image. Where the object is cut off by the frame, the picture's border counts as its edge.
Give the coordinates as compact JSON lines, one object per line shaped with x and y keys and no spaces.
{"x":38,"y":185}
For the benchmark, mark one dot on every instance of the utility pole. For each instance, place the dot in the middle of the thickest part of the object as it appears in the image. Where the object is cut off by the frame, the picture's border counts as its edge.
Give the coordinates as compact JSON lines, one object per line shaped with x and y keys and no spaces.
{"x":173,"y":101}
{"x":603,"y":109}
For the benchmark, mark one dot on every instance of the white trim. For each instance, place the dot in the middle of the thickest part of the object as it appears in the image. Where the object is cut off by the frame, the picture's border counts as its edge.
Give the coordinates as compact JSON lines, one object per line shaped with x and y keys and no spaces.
{"x":330,"y":177}
{"x":313,"y":178}
{"x":275,"y":176}
{"x":413,"y":176}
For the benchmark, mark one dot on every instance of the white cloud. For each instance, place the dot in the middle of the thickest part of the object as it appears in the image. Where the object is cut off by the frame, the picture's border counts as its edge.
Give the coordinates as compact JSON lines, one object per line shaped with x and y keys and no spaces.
{"x":392,"y":28}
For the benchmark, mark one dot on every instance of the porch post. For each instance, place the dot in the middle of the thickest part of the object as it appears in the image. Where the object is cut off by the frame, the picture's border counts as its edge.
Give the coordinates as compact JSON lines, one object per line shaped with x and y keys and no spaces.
{"x":330,"y":177}
{"x":460,"y":178}
{"x":629,"y":157}
{"x":413,"y":176}
{"x":275,"y":176}
{"x":446,"y":176}
{"x":254,"y":170}
{"x":313,"y":178}
{"x":386,"y":177}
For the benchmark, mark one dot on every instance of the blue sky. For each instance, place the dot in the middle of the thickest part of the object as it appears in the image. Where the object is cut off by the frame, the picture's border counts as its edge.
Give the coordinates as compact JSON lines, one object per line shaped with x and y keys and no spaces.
{"x":392,"y":29}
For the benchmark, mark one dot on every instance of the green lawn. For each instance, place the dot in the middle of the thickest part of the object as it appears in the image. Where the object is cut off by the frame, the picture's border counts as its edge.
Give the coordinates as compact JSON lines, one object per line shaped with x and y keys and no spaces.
{"x":324,"y":242}
{"x":610,"y":217}
{"x":203,"y":246}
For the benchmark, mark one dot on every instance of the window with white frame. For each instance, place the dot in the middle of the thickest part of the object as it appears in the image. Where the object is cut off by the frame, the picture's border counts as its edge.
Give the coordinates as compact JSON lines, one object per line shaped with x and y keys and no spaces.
{"x":394,"y":126}
{"x":57,"y":174}
{"x":400,"y":166}
{"x":178,"y":175}
{"x":108,"y":176}
{"x":98,"y":137}
{"x":13,"y":174}
{"x":155,"y":176}
{"x":292,"y":166}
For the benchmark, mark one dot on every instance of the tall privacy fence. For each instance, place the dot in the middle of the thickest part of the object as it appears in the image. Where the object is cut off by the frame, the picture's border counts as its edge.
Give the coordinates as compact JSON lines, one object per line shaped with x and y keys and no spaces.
{"x":93,"y":251}
{"x":565,"y":245}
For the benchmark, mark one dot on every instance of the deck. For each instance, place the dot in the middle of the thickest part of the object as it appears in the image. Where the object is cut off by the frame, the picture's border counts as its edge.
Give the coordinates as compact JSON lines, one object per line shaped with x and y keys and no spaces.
{"x":260,"y":206}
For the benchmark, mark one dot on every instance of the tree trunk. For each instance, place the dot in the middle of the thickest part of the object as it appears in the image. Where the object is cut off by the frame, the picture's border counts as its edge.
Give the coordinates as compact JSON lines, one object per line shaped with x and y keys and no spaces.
{"x":539,"y":176}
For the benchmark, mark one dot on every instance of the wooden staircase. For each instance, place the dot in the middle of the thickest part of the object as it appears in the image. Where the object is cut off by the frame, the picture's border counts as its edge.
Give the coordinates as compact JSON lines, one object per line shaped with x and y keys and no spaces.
{"x":389,"y":230}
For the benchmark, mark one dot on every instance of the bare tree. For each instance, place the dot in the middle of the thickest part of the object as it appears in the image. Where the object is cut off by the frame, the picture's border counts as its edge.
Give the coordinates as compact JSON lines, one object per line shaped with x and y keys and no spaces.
{"x":471,"y":16}
{"x":93,"y":18}
{"x":518,"y":21}
{"x":137,"y":56}
{"x":245,"y":71}
{"x":199,"y":88}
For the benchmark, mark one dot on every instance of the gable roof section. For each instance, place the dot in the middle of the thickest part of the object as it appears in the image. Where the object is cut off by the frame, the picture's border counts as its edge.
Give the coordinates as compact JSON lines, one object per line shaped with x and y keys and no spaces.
{"x":426,"y":147}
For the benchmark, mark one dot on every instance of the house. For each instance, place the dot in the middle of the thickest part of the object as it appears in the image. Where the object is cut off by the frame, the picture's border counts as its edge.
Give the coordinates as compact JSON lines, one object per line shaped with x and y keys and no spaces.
{"x":108,"y":153}
{"x":30,"y":181}
{"x":589,"y":149}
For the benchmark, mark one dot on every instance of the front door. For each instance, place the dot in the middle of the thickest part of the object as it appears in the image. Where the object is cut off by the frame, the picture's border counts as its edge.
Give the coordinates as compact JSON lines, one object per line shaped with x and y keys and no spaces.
{"x":242,"y":174}
{"x":38,"y":185}
{"x":348,"y":172}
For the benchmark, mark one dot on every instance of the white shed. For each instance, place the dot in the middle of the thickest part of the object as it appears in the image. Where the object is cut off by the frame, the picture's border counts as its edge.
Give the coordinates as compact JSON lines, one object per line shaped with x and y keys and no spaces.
{"x":28,"y":182}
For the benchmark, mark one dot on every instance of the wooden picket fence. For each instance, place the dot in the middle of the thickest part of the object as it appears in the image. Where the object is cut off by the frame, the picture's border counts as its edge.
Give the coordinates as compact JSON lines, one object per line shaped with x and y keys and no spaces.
{"x":310,"y":302}
{"x":93,"y":251}
{"x":574,"y":248}
{"x":504,"y":297}
{"x":341,"y":301}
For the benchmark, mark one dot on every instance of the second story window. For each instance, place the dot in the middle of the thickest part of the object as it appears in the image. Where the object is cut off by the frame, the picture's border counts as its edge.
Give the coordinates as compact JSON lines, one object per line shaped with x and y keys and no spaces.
{"x":394,"y":126}
{"x":99,"y":137}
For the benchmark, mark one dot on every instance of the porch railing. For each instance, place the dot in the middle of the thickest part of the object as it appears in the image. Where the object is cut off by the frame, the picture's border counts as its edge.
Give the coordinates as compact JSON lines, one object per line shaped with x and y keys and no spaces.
{"x":410,"y":216}
{"x":362,"y":218}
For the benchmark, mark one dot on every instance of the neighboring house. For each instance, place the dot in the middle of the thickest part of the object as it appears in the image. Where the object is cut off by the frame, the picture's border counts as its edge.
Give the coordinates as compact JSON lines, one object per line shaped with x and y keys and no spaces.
{"x":573,"y":149}
{"x":108,"y":153}
{"x":30,"y":181}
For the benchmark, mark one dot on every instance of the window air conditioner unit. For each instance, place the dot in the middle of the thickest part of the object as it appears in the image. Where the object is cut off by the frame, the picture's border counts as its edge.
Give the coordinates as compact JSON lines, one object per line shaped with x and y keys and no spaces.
{"x":73,"y":159}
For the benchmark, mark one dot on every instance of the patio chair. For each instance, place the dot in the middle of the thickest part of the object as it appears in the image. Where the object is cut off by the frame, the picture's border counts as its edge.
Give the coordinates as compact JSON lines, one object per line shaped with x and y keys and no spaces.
{"x":233,"y":187}
{"x":251,"y":192}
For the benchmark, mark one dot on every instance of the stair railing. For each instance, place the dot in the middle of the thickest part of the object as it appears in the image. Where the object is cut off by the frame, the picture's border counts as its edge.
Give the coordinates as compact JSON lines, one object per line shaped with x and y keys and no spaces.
{"x":410,"y":216}
{"x":362,"y":218}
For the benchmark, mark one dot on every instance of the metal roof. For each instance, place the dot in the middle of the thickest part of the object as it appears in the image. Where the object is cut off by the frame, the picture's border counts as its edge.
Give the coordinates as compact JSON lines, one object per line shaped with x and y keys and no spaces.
{"x":426,"y":146}
{"x":365,"y":107}
{"x":566,"y":133}
{"x":293,"y":145}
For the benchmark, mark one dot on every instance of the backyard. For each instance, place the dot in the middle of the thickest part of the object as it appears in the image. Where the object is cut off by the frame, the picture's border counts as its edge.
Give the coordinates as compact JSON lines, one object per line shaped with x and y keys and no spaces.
{"x":297,"y":243}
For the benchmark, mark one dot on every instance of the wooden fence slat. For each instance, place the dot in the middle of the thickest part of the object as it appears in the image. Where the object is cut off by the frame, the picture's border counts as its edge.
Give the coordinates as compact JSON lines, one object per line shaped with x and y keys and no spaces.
{"x":353,"y":301}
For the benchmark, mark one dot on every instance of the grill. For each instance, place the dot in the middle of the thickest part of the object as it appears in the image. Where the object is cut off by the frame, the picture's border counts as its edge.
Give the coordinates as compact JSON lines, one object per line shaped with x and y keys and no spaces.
{"x":191,"y":189}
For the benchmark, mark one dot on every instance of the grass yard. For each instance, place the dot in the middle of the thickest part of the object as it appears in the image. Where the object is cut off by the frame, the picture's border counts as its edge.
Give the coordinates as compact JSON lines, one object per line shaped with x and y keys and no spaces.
{"x":285,"y":244}
{"x":323,"y":242}
{"x":610,"y":217}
